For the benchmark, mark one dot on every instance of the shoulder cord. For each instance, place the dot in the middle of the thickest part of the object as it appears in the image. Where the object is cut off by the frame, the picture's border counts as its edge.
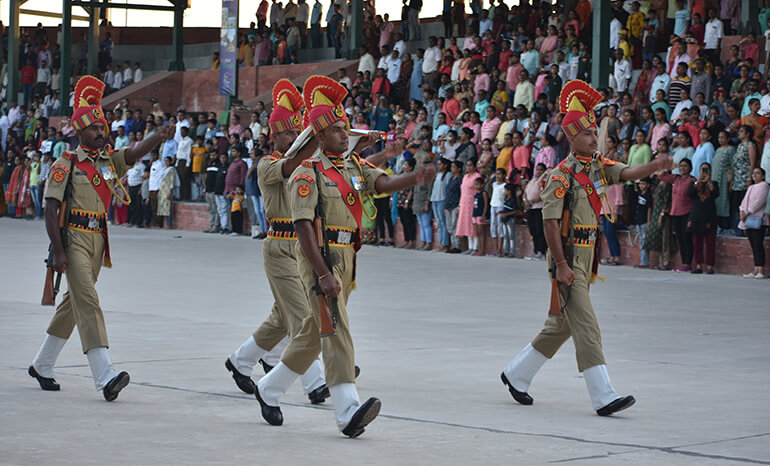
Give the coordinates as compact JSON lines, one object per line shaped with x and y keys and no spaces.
{"x":126,"y":200}
{"x":367,"y":193}
{"x":603,"y":195}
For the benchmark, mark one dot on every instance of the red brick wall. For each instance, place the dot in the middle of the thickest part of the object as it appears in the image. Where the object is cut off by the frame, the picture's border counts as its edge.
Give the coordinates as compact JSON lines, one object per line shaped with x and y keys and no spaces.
{"x":733,"y":255}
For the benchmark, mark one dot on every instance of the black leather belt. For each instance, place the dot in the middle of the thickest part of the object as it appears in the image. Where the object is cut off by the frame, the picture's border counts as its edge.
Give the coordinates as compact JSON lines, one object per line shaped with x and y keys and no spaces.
{"x":341,"y":237}
{"x":282,"y":226}
{"x":91,"y":222}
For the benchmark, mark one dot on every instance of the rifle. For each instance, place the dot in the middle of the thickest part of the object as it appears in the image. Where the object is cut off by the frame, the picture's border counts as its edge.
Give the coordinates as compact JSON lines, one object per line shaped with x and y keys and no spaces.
{"x":327,"y":306}
{"x":556,"y":308}
{"x":51,"y":286}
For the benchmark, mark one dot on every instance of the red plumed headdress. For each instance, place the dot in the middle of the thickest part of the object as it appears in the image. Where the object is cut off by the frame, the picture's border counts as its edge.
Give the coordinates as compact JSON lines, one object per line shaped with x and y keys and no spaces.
{"x":287,"y":107}
{"x":323,"y":102}
{"x":88,"y":103}
{"x":577,"y":101}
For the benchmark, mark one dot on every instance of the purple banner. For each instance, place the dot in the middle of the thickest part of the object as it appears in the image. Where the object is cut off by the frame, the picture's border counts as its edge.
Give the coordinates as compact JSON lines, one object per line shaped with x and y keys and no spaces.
{"x":228,"y":47}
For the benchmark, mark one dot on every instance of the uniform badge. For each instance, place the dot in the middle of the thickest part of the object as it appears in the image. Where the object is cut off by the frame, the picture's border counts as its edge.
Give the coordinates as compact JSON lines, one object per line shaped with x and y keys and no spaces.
{"x":307,"y":164}
{"x":339,"y":112}
{"x":303,"y":190}
{"x":295,"y":120}
{"x":564,"y":168}
{"x":560,"y":179}
{"x":58,"y":175}
{"x":96,"y":180}
{"x":351,"y":198}
{"x":304,"y":176}
{"x":358,"y":183}
{"x":108,"y":173}
{"x":560,"y":192}
{"x":589,"y":189}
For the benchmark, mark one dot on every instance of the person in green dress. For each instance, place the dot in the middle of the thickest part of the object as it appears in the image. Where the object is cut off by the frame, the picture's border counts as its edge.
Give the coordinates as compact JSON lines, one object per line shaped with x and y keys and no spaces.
{"x":720,"y":170}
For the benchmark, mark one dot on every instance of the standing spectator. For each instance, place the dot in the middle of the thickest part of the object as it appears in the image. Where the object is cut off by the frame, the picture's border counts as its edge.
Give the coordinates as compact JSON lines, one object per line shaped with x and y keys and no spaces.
{"x":335,"y":29}
{"x":28,"y":81}
{"x":166,"y":192}
{"x":465,"y":226}
{"x":155,"y":178}
{"x":642,"y":210}
{"x":452,"y":206}
{"x":683,"y":151}
{"x":184,"y":163}
{"x":703,"y":219}
{"x":704,"y":153}
{"x":414,"y":22}
{"x":236,"y":199}
{"x":303,"y":12}
{"x":213,"y":167}
{"x":315,"y":24}
{"x":721,"y":165}
{"x":713,"y":37}
{"x":744,"y":161}
{"x":480,"y":215}
{"x":681,"y":204}
{"x":534,"y":208}
{"x":754,"y":220}
{"x":421,"y":197}
{"x":135,"y":177}
{"x":658,"y":237}
{"x":223,"y":206}
{"x":404,"y":201}
{"x":438,"y":202}
{"x":496,"y":204}
{"x":384,"y":221}
{"x":431,"y":62}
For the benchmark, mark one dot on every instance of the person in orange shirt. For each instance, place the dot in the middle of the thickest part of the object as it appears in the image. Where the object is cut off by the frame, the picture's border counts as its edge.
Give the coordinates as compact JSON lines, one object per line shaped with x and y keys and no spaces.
{"x":198,"y":152}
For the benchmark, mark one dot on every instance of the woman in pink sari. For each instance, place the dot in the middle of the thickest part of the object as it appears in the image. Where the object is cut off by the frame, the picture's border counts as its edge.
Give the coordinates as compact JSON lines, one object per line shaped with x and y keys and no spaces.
{"x":548,"y":48}
{"x":18,"y":194}
{"x":386,"y":30}
{"x":644,"y":82}
{"x":465,"y":63}
{"x":465,"y":225}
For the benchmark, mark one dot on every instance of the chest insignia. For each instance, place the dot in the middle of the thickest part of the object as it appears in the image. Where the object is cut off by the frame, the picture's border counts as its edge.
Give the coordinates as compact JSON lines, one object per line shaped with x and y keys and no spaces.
{"x":350,"y":198}
{"x":96,"y":180}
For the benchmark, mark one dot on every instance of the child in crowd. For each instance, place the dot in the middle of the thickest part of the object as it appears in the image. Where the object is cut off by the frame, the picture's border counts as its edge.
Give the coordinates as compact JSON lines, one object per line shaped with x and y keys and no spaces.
{"x":198,"y":154}
{"x":480,"y":215}
{"x":497,"y":204}
{"x":508,"y":219}
{"x":236,"y":211}
{"x":642,"y":208}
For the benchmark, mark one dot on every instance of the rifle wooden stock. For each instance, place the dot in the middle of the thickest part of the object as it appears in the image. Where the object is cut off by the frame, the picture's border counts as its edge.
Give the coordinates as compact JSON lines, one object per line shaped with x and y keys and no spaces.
{"x":555,"y":308}
{"x":327,"y":323}
{"x":48,"y":295}
{"x":566,"y":218}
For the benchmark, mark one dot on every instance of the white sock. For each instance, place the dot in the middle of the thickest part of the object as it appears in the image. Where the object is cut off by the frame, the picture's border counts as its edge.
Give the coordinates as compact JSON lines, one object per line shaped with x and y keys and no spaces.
{"x":46,"y":356}
{"x":101,"y":366}
{"x":522,"y":369}
{"x":276,"y":383}
{"x":599,"y":386}
{"x":346,"y":403}
{"x":313,"y":377}
{"x":246,"y":356}
{"x":273,"y":357}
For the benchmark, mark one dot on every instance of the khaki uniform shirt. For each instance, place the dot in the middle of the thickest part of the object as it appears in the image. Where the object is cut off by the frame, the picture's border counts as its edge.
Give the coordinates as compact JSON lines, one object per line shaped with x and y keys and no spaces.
{"x":274,"y":188}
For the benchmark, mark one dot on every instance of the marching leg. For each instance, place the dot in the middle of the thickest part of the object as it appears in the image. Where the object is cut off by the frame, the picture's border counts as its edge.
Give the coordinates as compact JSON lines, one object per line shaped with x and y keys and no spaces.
{"x":313,"y":383}
{"x":518,"y":374}
{"x":242,"y":362}
{"x":352,"y":417}
{"x":42,"y":366}
{"x":604,"y":398}
{"x":105,"y":377}
{"x":269,"y":390}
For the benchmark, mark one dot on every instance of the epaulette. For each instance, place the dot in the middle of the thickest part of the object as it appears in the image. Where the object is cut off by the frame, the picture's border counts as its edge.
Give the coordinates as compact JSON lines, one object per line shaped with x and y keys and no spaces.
{"x":563,"y":167}
{"x":605,"y":161}
{"x":67,"y":155}
{"x":307,"y":164}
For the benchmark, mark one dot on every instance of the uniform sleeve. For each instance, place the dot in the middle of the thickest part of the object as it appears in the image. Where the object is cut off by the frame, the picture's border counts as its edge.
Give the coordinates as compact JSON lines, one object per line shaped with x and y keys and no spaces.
{"x":553,"y":196}
{"x":303,"y":194}
{"x":613,"y":172}
{"x":119,"y":160}
{"x":270,"y":171}
{"x":371,"y":173}
{"x":57,"y":179}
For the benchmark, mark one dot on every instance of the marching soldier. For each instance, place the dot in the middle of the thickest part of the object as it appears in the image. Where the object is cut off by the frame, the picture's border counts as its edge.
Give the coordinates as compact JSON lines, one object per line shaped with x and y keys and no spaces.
{"x":573,"y":199}
{"x":335,"y":183}
{"x":279,"y":252}
{"x":93,"y":172}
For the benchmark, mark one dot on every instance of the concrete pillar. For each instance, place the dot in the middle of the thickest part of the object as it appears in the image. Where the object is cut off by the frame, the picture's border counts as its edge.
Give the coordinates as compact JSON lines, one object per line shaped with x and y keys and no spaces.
{"x":600,"y":50}
{"x":749,"y":14}
{"x":356,"y":28}
{"x":13,"y":50}
{"x":93,"y":40}
{"x":178,"y":38}
{"x":66,"y":57}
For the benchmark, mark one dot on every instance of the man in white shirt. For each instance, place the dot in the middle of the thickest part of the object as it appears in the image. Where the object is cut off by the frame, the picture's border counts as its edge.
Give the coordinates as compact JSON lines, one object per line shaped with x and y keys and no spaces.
{"x":343,"y":79}
{"x":156,"y":176}
{"x":615,"y":27}
{"x":135,"y":177}
{"x":525,"y":92}
{"x":303,"y":13}
{"x":181,"y":122}
{"x":121,"y":140}
{"x":43,"y":78}
{"x":764,"y":104}
{"x":137,"y":72}
{"x":366,"y":62}
{"x":683,"y":104}
{"x":384,"y":59}
{"x":681,"y":57}
{"x":275,"y":14}
{"x":400,"y":45}
{"x":117,"y":78}
{"x":713,"y":35}
{"x":118,"y":121}
{"x":430,"y":62}
{"x":128,"y":74}
{"x":184,"y":163}
{"x":394,"y":67}
{"x":108,"y":78}
{"x":662,"y":81}
{"x":622,"y":72}
{"x":485,"y":24}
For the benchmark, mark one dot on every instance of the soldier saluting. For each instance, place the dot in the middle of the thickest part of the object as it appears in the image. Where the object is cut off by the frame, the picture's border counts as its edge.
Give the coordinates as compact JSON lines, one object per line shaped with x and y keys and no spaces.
{"x":335,"y":182}
{"x":573,"y":198}
{"x":91,"y":176}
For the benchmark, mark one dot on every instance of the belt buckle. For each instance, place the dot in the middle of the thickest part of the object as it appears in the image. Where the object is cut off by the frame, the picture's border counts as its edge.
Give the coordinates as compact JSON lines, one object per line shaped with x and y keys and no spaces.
{"x":93,"y":223}
{"x":344,"y":237}
{"x":592,"y":236}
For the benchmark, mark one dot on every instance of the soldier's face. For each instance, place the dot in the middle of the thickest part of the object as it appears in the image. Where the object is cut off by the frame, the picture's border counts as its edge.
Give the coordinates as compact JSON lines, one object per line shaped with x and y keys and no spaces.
{"x":334,"y":139}
{"x":285,"y":139}
{"x":584,"y":143}
{"x":92,"y":136}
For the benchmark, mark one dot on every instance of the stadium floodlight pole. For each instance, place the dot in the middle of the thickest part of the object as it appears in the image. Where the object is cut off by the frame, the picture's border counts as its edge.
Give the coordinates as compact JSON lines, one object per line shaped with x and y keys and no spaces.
{"x":66,"y":57}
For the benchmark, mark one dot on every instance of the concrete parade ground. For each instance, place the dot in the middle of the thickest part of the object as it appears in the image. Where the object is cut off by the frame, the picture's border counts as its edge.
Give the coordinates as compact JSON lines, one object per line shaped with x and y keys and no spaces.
{"x":432,"y":333}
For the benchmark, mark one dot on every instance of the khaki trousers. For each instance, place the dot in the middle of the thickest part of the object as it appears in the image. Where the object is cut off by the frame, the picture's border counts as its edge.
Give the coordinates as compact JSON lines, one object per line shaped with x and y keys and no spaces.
{"x":338,"y":353}
{"x":290,"y":308}
{"x":579,"y":321}
{"x":80,"y":304}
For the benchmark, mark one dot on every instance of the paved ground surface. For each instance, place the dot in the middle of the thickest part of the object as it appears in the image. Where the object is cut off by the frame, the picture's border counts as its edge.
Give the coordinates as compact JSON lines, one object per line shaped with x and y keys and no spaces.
{"x":432,"y":334}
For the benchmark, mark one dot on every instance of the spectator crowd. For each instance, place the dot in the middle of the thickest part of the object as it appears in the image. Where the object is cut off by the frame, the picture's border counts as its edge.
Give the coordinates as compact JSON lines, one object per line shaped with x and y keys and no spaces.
{"x":480,"y":102}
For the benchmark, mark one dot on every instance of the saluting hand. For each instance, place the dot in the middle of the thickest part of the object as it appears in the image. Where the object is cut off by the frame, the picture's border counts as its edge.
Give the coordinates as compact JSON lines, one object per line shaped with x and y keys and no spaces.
{"x":394,"y":148}
{"x":167,"y":131}
{"x":665,"y":162}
